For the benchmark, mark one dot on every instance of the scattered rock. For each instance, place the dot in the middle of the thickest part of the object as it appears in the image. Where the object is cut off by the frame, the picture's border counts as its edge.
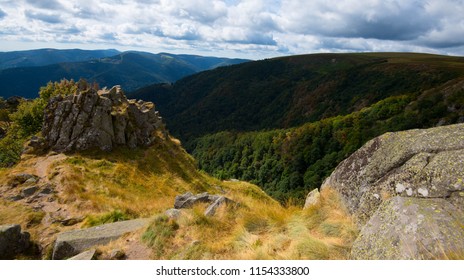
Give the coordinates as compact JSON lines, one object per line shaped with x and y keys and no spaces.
{"x":173,"y":213}
{"x":312,"y":198}
{"x":20,"y":179}
{"x":98,"y":119}
{"x":187,"y":200}
{"x":15,"y":197}
{"x":12,"y":241}
{"x":411,"y":228}
{"x":85,"y":256}
{"x":211,"y":210}
{"x":29,"y":191}
{"x":71,"y":243}
{"x":423,"y":163}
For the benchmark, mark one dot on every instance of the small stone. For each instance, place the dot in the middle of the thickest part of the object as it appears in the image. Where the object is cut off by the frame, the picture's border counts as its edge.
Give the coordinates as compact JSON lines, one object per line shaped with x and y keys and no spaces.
{"x":400,"y":188}
{"x":377,"y":196}
{"x":211,"y":210}
{"x":16,"y":197}
{"x":29,"y":191}
{"x":409,"y":191}
{"x":173,"y":213}
{"x":424,"y":192}
{"x":312,"y":198}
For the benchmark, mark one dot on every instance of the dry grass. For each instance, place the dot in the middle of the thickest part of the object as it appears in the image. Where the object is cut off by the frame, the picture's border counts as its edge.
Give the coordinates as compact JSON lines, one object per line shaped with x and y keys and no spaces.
{"x":258,"y":228}
{"x":126,"y":184}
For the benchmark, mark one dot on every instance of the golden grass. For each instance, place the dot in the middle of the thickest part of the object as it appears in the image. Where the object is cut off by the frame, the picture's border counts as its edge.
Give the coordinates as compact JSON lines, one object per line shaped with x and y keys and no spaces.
{"x":125,"y":184}
{"x":259,"y":229}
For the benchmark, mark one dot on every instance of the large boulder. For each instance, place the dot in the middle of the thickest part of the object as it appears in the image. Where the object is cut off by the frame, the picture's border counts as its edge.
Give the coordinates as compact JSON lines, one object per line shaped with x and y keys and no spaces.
{"x":412,"y":228}
{"x":71,"y":243}
{"x":98,"y":119}
{"x":12,"y":241}
{"x":424,"y":163}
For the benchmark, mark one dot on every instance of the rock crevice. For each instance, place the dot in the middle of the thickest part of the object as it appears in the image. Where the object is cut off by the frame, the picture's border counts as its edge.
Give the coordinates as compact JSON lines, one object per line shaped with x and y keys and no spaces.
{"x":99,"y":119}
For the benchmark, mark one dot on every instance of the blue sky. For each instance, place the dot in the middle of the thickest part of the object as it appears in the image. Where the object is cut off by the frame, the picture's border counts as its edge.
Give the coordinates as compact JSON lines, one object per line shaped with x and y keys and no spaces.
{"x":250,"y":29}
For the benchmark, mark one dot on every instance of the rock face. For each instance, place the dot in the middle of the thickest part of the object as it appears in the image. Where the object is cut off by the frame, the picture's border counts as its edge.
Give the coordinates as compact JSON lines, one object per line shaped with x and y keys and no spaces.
{"x":416,"y":163}
{"x":398,"y":187}
{"x":98,"y":119}
{"x":71,"y":243}
{"x":12,"y":241}
{"x":411,"y":228}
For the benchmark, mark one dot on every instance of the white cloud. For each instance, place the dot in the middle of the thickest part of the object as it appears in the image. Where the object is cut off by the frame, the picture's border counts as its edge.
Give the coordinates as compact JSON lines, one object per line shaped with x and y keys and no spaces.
{"x":248,"y":28}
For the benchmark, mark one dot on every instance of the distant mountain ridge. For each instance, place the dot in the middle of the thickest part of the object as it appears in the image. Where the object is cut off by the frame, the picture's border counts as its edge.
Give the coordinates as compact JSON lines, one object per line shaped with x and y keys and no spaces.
{"x":42,"y":57}
{"x":131,"y":70}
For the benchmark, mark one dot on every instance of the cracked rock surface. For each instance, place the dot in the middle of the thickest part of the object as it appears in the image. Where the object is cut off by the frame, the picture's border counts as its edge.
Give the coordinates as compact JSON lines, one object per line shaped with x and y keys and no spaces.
{"x":98,"y":119}
{"x":405,"y":191}
{"x":422,"y":163}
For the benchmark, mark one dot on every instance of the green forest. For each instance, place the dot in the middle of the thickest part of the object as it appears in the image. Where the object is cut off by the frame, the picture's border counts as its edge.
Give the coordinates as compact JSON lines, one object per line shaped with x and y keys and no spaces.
{"x":287,"y":163}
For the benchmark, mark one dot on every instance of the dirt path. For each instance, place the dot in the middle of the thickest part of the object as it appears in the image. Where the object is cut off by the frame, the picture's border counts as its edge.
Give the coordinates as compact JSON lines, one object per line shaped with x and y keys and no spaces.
{"x":42,"y":167}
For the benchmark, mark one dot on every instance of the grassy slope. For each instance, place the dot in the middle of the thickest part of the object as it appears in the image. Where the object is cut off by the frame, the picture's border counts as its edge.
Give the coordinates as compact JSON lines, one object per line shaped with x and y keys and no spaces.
{"x":125,"y":184}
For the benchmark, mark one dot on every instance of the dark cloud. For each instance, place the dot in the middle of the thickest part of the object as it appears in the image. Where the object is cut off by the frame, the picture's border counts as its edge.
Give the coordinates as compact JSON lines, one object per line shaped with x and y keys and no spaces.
{"x":2,"y":14}
{"x":52,"y":18}
{"x":256,"y":38}
{"x":46,"y":4}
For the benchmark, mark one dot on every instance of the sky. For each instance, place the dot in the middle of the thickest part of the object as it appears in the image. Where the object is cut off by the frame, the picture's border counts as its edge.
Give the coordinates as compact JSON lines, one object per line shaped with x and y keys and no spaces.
{"x":253,"y":29}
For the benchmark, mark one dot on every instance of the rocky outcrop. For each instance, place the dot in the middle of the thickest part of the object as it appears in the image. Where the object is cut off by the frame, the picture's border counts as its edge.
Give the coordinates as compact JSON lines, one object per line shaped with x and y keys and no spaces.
{"x":415,"y":163}
{"x":396,"y":176}
{"x":98,"y":119}
{"x":71,"y":243}
{"x":412,"y":228}
{"x":12,"y":241}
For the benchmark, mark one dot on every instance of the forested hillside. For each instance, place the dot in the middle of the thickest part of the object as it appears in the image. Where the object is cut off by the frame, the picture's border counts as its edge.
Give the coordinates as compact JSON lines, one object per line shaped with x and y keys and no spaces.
{"x":290,"y":91}
{"x":286,"y":123}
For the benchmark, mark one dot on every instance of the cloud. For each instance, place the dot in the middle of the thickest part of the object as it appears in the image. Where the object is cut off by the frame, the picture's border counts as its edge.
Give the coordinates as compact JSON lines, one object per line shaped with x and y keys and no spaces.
{"x":52,"y":18}
{"x":370,"y":19}
{"x":46,"y":4}
{"x":255,"y":28}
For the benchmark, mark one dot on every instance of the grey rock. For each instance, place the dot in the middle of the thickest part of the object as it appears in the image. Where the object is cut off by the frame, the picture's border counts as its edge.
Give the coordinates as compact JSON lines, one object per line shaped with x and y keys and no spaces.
{"x":15,"y":197}
{"x":99,"y":119}
{"x":423,"y":163}
{"x":312,"y":198}
{"x":12,"y":241}
{"x":71,"y":243}
{"x":211,"y":210}
{"x":411,"y":228}
{"x":22,"y":178}
{"x":173,"y":213}
{"x":29,"y":191}
{"x":84,"y":256}
{"x":188,"y":200}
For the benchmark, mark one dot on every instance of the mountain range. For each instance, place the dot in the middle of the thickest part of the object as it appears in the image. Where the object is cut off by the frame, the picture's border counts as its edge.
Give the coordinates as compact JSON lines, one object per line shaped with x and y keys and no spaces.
{"x":22,"y":73}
